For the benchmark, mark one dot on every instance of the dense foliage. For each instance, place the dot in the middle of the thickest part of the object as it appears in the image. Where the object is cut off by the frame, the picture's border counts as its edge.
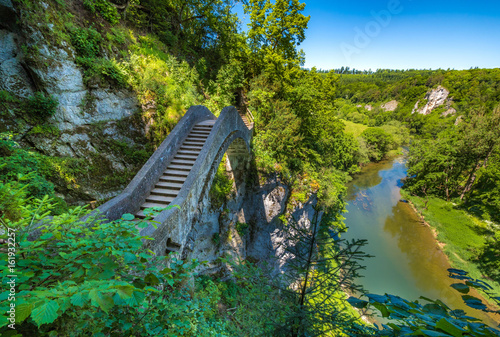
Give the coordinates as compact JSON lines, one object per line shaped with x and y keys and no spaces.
{"x":85,"y":277}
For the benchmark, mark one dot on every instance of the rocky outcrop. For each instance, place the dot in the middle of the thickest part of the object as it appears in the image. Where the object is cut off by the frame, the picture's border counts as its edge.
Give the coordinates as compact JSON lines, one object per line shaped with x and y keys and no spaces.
{"x":389,"y":106}
{"x":435,"y":98}
{"x":88,"y":121}
{"x":13,"y":76}
{"x":218,"y":231}
{"x":450,"y":111}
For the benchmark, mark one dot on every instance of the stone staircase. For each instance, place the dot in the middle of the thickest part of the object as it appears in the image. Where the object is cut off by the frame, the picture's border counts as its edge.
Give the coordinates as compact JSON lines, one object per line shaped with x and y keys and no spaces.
{"x":172,"y":179}
{"x":245,"y":119}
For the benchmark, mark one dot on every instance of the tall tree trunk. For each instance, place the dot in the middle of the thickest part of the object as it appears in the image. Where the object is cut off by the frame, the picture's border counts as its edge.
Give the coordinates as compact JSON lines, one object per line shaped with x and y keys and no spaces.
{"x":472,"y":175}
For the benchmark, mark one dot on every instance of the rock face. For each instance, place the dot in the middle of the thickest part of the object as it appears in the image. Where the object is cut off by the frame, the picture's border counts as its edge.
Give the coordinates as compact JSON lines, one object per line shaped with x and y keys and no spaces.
{"x":86,"y":119}
{"x":13,"y":77}
{"x":389,"y":106}
{"x":219,"y":231}
{"x":435,"y":97}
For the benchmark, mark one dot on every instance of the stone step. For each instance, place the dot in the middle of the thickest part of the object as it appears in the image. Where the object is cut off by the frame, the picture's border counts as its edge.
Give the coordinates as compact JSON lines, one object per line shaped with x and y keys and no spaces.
{"x":176,"y":173}
{"x":202,"y":129}
{"x":182,"y":156}
{"x":172,"y":179}
{"x":195,"y":144}
{"x":180,"y":167}
{"x":164,"y":191}
{"x":197,"y":134}
{"x":188,"y":153}
{"x":207,"y":122}
{"x":200,"y":132}
{"x":191,"y":147}
{"x":169,"y":185}
{"x":152,"y":204}
{"x":159,"y":199}
{"x":194,"y":140}
{"x":140,"y":215}
{"x":182,"y":161}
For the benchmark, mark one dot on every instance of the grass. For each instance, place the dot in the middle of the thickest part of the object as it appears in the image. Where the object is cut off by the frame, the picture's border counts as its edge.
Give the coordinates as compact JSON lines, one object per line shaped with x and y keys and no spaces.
{"x":463,"y":234}
{"x":354,"y":128}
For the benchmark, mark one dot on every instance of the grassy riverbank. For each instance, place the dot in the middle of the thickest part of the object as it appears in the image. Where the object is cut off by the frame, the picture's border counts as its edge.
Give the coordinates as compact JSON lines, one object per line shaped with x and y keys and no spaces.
{"x":461,"y":235}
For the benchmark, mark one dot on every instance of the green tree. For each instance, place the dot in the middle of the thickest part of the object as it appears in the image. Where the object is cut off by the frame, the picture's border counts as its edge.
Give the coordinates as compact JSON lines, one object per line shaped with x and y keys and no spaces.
{"x":378,"y":142}
{"x":275,"y":31}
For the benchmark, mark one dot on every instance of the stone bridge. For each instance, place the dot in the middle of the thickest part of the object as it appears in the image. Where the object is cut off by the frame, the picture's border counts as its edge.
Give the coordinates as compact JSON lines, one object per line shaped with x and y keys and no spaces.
{"x":180,"y":173}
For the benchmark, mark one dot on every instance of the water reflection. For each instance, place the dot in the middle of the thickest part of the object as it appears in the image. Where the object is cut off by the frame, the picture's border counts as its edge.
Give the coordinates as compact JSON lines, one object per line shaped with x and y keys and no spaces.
{"x":408,"y":261}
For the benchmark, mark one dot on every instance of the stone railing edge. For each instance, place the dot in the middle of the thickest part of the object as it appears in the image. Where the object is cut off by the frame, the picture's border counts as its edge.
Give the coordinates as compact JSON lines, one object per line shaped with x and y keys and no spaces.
{"x":232,"y":125}
{"x":137,"y":190}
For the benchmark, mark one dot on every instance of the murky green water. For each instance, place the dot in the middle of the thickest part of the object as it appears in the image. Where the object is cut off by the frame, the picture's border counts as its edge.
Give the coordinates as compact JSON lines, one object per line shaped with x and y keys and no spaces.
{"x":408,"y":262}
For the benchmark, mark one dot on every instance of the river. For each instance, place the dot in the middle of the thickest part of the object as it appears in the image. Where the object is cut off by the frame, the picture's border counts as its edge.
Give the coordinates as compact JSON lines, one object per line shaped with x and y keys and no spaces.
{"x":408,"y":261}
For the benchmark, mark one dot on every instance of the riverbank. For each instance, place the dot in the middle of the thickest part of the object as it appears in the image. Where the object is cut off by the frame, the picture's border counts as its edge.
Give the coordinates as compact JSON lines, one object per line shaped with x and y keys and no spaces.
{"x":461,"y":236}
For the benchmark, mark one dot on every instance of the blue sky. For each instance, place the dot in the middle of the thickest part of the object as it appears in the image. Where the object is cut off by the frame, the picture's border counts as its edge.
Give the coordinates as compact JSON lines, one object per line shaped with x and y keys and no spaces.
{"x":402,"y":34}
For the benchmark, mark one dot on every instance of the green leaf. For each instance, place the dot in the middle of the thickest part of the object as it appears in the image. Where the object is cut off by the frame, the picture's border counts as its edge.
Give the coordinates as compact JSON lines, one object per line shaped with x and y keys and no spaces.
{"x":151,"y":279}
{"x":377,"y":298}
{"x":77,"y":300}
{"x":357,"y":303}
{"x":136,"y":299}
{"x":45,"y":313}
{"x":464,"y":289}
{"x":382,"y":308}
{"x":431,"y":333}
{"x":435,"y":309}
{"x":46,"y":236}
{"x":129,"y":257}
{"x":450,"y":328}
{"x":474,"y":302}
{"x":124,"y":291}
{"x":105,"y":302}
{"x":23,"y":311}
{"x":128,"y":217}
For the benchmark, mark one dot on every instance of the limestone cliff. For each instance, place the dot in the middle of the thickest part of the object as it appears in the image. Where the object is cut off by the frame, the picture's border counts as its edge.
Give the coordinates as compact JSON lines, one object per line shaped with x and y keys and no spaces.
{"x":435,"y":98}
{"x":248,"y":226}
{"x":91,"y":124}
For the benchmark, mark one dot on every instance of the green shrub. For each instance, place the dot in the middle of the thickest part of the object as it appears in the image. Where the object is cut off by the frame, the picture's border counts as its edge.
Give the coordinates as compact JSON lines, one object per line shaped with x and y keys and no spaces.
{"x":86,"y":41}
{"x":221,"y":186}
{"x":100,"y":71}
{"x":5,"y":99}
{"x":242,"y":228}
{"x":41,"y":106}
{"x":88,"y":278}
{"x":107,"y":11}
{"x":216,"y":239}
{"x":378,"y":142}
{"x":24,"y":166}
{"x":44,"y":129}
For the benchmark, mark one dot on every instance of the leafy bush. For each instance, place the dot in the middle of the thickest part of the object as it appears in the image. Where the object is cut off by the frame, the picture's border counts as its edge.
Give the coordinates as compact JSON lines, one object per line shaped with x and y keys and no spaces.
{"x":41,"y":106}
{"x":86,"y":41}
{"x":433,"y":318}
{"x":24,"y":166}
{"x":5,"y":99}
{"x":104,"y":9}
{"x":100,"y":71}
{"x":378,"y":142}
{"x":241,"y":228}
{"x":221,"y":186}
{"x":88,"y":278}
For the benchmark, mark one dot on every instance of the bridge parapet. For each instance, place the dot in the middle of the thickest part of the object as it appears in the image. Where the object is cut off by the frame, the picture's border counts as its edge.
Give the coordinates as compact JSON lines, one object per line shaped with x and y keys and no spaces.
{"x":175,"y":224}
{"x":138,"y":189}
